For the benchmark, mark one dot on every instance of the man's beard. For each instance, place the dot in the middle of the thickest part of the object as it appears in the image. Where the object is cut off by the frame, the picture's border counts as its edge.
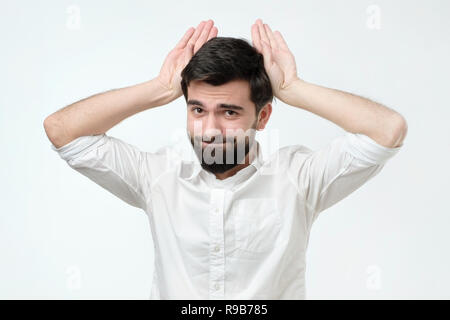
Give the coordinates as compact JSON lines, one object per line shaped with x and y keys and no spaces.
{"x":222,"y":162}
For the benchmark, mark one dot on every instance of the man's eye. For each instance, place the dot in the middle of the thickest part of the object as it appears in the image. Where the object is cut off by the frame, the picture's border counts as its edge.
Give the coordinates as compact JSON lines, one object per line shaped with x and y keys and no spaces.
{"x":194,"y":109}
{"x":232,"y":112}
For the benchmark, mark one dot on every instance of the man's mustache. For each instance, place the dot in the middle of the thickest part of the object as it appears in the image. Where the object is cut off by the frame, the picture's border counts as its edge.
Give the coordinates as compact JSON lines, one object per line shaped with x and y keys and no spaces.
{"x":216,"y":140}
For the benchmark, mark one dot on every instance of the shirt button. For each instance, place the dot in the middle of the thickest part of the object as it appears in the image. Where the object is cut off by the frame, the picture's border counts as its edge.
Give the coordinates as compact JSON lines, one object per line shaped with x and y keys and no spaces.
{"x":216,"y":286}
{"x":216,"y":210}
{"x":216,"y":248}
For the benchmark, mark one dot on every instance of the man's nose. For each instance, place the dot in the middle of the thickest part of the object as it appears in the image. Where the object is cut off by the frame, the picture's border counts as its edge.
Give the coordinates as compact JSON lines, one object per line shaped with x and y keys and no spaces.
{"x":212,"y":129}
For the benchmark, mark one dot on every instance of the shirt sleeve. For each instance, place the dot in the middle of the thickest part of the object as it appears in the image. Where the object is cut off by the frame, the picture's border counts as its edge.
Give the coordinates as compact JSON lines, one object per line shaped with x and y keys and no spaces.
{"x":115,"y":165}
{"x":329,"y":174}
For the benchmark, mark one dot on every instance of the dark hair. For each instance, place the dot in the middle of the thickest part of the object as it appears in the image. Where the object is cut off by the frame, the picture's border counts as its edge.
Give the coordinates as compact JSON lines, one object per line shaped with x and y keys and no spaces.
{"x":223,"y":59}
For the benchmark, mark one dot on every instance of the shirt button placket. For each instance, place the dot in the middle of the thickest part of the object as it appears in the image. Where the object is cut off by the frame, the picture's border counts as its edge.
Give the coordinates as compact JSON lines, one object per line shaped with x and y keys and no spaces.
{"x":217,"y":258}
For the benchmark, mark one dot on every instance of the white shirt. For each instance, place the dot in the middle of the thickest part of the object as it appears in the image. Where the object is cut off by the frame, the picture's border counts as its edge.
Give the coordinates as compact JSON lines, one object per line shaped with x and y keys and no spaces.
{"x":244,"y":237}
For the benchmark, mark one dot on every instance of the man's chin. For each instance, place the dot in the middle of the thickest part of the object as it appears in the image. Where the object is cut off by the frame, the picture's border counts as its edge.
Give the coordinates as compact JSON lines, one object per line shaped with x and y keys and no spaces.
{"x":218,"y":167}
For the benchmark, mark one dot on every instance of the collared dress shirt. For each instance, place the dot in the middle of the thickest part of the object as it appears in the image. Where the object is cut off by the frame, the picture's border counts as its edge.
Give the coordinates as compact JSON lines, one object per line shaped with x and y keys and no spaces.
{"x":244,"y":237}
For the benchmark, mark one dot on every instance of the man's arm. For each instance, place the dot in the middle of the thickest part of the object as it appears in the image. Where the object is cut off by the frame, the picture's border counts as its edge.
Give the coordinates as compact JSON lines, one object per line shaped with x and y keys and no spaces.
{"x":77,"y":132}
{"x":374,"y":133}
{"x":97,"y":114}
{"x":353,"y":113}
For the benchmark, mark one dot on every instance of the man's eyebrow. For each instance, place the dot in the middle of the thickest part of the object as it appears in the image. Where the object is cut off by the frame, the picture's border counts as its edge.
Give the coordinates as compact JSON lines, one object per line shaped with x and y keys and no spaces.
{"x":220,"y":105}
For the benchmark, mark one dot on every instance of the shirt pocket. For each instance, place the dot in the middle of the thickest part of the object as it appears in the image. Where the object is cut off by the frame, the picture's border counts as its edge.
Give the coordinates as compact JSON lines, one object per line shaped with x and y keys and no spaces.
{"x":257,"y":224}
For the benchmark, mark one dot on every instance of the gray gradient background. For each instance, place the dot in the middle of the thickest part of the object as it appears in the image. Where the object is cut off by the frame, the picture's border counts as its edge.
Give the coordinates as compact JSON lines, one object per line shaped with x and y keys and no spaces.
{"x":62,"y":236}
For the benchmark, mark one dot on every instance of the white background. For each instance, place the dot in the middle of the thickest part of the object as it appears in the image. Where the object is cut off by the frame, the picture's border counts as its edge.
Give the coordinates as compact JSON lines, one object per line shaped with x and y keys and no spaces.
{"x":64,"y":237}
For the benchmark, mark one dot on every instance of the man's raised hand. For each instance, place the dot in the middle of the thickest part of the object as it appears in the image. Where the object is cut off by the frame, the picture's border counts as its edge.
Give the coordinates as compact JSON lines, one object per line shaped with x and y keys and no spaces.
{"x":194,"y":38}
{"x":279,"y":61}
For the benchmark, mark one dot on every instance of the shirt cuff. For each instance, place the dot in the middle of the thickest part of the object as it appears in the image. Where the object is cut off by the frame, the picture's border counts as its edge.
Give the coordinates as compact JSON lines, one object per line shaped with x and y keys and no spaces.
{"x":365,"y":148}
{"x":79,"y":146}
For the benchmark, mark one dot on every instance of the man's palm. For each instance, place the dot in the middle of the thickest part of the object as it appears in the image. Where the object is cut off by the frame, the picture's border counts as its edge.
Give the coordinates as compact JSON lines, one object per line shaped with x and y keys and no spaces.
{"x":170,"y":73}
{"x":279,"y":61}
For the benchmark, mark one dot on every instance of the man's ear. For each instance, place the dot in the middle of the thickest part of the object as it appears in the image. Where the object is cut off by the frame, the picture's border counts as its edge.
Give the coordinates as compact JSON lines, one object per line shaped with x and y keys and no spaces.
{"x":263,"y":116}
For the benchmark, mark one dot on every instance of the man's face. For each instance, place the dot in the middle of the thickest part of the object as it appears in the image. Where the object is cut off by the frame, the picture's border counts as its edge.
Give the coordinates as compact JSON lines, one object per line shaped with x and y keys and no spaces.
{"x":222,"y":123}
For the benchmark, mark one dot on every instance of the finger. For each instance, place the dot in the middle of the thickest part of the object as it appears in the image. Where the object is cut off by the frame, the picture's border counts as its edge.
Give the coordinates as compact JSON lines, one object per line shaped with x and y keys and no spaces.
{"x":255,"y":38}
{"x":190,"y":46}
{"x":187,"y":35}
{"x":267,"y":54}
{"x":197,"y":33}
{"x":269,"y":33}
{"x":188,"y":53}
{"x":204,"y":35}
{"x":213,"y":33}
{"x":280,"y":40}
{"x":262,"y":31}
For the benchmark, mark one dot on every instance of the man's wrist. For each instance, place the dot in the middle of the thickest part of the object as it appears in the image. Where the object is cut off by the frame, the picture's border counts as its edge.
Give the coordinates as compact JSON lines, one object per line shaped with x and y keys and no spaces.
{"x":156,"y":94}
{"x":291,"y":94}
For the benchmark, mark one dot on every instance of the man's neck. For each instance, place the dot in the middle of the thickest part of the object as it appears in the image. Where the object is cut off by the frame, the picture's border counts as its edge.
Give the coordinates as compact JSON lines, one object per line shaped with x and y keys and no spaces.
{"x":248,"y":159}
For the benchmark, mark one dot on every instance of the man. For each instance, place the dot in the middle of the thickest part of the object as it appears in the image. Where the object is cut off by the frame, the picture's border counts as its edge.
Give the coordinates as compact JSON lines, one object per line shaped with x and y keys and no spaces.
{"x":229,"y":224}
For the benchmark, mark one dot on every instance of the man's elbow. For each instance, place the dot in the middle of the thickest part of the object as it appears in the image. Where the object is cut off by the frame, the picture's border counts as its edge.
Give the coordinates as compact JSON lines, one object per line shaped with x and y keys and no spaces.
{"x":54,"y":129}
{"x":400,"y":130}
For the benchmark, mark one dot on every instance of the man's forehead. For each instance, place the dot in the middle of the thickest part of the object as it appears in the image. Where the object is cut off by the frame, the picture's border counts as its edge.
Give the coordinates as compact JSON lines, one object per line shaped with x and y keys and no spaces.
{"x":236,"y":92}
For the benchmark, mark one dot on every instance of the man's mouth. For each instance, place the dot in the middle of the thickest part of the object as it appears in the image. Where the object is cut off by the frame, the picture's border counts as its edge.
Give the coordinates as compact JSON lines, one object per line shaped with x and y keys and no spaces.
{"x":206,"y":143}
